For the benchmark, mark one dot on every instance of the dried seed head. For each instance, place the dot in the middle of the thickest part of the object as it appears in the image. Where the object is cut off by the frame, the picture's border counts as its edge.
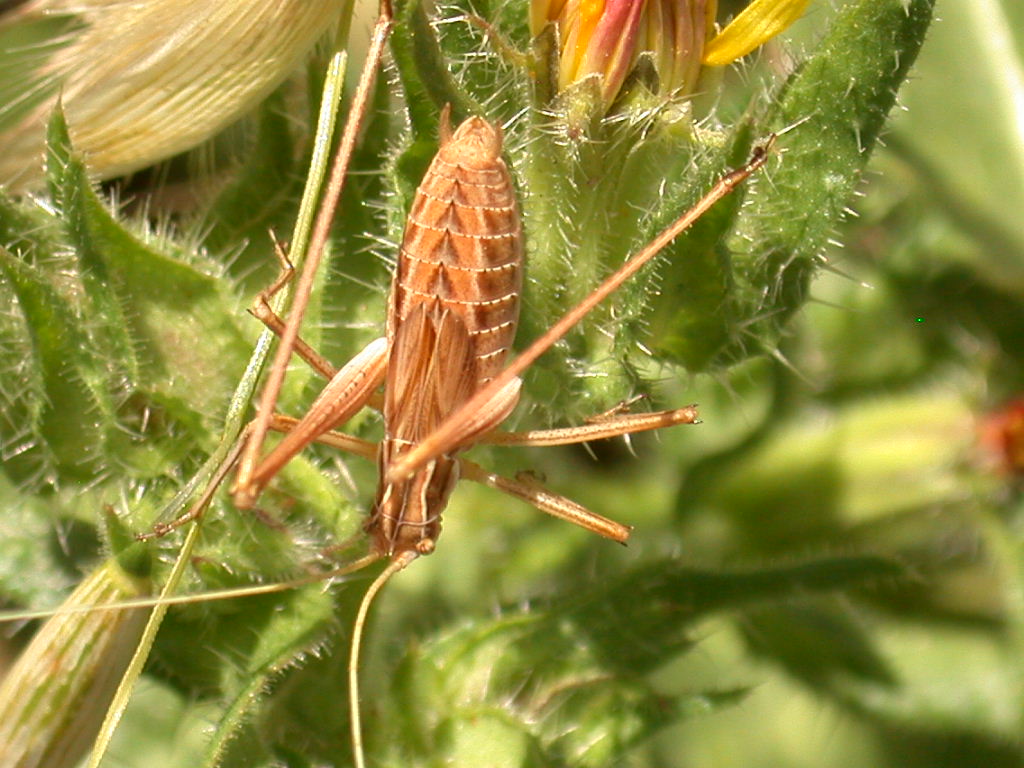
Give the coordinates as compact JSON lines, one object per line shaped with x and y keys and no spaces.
{"x":143,"y":81}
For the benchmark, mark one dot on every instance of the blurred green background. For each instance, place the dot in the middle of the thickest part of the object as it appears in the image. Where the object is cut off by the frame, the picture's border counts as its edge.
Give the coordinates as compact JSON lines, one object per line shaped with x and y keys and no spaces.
{"x":827,"y":571}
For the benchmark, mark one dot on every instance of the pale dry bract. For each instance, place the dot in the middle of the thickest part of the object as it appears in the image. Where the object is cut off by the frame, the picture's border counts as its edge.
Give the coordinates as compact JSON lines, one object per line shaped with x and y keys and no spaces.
{"x":54,"y":697}
{"x":144,"y":81}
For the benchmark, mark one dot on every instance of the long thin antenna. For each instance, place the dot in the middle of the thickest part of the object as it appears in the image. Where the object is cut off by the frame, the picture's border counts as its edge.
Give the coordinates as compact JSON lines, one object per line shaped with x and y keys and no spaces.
{"x":355,"y":718}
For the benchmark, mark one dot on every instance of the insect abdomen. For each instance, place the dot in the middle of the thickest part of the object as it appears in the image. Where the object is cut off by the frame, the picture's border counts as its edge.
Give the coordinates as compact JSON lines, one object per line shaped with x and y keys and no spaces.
{"x":463,"y":243}
{"x":454,"y":311}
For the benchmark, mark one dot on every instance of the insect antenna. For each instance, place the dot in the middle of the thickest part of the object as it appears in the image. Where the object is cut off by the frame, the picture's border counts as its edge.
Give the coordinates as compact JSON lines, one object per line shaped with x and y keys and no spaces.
{"x":355,"y":719}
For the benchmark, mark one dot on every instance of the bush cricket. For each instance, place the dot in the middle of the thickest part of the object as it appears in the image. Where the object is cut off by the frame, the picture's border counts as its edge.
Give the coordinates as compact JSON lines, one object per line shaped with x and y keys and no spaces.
{"x":405,"y":522}
{"x":452,"y":315}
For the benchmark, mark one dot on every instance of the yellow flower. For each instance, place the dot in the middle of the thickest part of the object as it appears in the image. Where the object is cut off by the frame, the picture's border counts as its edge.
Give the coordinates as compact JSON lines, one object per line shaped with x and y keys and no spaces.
{"x":607,"y":37}
{"x":757,"y":24}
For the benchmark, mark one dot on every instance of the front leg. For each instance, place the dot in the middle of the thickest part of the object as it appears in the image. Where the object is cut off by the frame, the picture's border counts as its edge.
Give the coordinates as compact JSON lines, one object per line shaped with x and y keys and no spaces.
{"x":264,"y":312}
{"x":345,"y":394}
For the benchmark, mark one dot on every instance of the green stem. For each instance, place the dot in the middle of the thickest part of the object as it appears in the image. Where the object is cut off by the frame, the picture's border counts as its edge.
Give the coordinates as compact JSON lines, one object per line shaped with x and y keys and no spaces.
{"x":234,"y":421}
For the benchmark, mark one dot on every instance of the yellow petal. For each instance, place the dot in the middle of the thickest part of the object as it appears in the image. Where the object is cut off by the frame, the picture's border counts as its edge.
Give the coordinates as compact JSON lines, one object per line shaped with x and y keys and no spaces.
{"x":757,"y":24}
{"x":543,"y":11}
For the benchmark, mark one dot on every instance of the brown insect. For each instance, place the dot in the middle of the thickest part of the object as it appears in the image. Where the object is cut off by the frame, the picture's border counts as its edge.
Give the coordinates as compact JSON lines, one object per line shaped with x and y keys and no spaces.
{"x":452,"y":317}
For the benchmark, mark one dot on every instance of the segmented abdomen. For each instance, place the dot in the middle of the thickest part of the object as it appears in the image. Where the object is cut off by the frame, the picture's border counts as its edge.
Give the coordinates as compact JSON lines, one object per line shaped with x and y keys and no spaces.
{"x":462,"y":248}
{"x":454,"y":310}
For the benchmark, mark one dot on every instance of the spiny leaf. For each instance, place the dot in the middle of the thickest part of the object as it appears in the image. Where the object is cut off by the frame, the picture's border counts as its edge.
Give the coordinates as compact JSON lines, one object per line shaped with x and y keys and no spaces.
{"x":518,"y":679}
{"x":69,"y":188}
{"x":252,"y":201}
{"x":77,"y":412}
{"x":836,"y":104}
{"x":294,"y":626}
{"x":32,"y":572}
{"x":26,"y":227}
{"x":644,"y":617}
{"x":694,"y":315}
{"x":153,"y":305}
{"x":818,"y":643}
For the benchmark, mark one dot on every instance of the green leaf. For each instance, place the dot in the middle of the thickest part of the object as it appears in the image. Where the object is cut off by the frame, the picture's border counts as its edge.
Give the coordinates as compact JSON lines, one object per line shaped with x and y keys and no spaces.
{"x":75,"y":414}
{"x":251,"y":203}
{"x":510,"y":684}
{"x":70,"y":190}
{"x":820,"y":643}
{"x":502,"y":690}
{"x":962,"y":127}
{"x":874,"y":461}
{"x":920,"y":721}
{"x":592,"y":202}
{"x":31,"y":571}
{"x":832,"y":109}
{"x":294,"y":626}
{"x":643,"y":618}
{"x":167,"y":324}
{"x":414,"y":39}
{"x":694,"y":315}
